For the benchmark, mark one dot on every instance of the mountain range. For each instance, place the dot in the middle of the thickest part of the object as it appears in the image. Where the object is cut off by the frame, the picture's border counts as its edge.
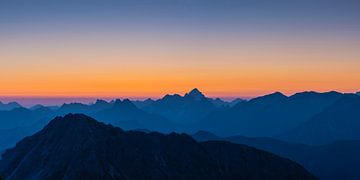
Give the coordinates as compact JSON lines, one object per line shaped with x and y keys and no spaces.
{"x":78,"y":147}
{"x":189,"y":108}
{"x":306,"y":117}
{"x":268,"y":115}
{"x":317,"y":130}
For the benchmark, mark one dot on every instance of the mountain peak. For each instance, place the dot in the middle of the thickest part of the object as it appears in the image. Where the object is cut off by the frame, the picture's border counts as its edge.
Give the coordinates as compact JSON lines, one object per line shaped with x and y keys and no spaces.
{"x":196,"y":94}
{"x":100,"y":101}
{"x":275,"y":95}
{"x":124,"y":104}
{"x":270,"y":98}
{"x":73,"y":119}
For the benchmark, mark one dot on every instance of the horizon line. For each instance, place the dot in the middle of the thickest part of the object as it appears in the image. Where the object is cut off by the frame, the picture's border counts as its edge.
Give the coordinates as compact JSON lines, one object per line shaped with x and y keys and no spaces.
{"x":161,"y":96}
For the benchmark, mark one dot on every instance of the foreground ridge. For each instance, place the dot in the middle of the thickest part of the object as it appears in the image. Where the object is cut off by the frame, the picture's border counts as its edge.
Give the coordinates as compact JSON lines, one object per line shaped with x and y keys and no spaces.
{"x":78,"y":147}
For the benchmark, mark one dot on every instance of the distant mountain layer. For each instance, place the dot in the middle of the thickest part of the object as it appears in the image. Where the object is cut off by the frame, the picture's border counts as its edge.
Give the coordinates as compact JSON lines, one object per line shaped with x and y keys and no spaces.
{"x":338,"y":160}
{"x":9,"y":106}
{"x":126,"y":115}
{"x":296,"y":118}
{"x":20,"y":122}
{"x":189,"y":108}
{"x":340,"y":121}
{"x":78,"y":147}
{"x":268,"y":115}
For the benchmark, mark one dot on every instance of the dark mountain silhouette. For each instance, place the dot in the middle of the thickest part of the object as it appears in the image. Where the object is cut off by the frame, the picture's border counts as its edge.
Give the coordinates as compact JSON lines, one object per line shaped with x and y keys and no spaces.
{"x":189,"y":108}
{"x":267,"y":115}
{"x":338,"y":160}
{"x":358,"y":93}
{"x":78,"y":147}
{"x":195,"y":94}
{"x":126,"y":115}
{"x":337,"y":122}
{"x":9,"y":106}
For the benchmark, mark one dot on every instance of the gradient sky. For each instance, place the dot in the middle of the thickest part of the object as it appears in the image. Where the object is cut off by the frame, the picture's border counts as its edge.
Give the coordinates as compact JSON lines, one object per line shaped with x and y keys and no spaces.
{"x":227,"y":48}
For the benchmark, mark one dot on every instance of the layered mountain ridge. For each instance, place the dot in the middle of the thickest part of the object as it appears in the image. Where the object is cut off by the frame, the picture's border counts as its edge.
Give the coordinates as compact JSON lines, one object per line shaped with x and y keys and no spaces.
{"x":77,"y":146}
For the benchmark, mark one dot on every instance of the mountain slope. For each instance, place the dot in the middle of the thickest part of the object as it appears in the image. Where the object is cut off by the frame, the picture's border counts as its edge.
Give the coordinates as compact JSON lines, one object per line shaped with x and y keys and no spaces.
{"x":338,"y":160}
{"x":77,"y":146}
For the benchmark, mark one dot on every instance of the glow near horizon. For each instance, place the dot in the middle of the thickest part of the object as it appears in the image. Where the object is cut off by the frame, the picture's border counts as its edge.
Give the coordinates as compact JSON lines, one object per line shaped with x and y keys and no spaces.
{"x":225,"y":56}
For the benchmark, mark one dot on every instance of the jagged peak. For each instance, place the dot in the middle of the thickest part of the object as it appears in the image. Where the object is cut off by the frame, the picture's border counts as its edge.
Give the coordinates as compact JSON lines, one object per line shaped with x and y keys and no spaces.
{"x":195,"y":93}
{"x":124,"y":103}
{"x":100,"y":101}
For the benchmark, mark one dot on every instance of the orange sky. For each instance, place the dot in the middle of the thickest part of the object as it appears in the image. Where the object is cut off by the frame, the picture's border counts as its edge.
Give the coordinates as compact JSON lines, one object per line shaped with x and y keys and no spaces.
{"x":82,"y":66}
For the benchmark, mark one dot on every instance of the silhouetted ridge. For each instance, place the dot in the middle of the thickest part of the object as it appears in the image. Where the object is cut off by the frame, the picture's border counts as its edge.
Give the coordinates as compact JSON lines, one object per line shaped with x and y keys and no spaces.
{"x":273,"y":96}
{"x":78,"y":120}
{"x":125,"y":104}
{"x":79,"y":147}
{"x":171,"y":97}
{"x":313,"y":94}
{"x":100,"y":101}
{"x":195,"y":94}
{"x":186,"y":109}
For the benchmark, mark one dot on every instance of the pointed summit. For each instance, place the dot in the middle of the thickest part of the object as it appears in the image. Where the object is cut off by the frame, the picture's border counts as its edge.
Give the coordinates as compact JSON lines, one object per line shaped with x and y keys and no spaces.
{"x":124,"y":104}
{"x":275,"y":95}
{"x":195,"y":94}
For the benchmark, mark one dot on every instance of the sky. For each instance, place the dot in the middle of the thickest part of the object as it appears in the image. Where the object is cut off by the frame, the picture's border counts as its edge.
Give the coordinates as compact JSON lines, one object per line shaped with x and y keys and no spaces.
{"x":148,"y":48}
